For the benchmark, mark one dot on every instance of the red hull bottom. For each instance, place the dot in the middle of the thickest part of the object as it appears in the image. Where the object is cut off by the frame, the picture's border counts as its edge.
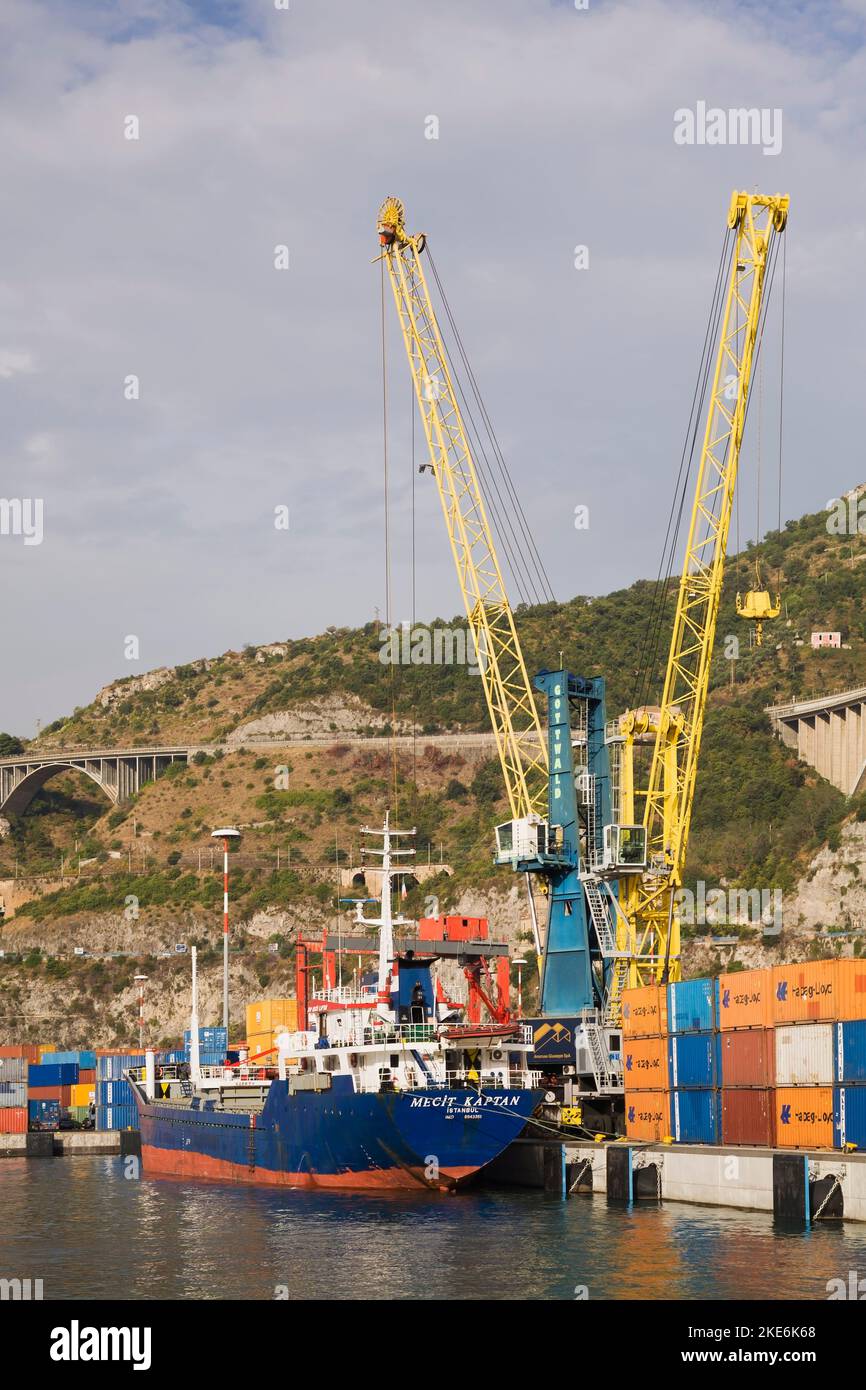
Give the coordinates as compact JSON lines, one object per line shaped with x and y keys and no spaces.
{"x":183,"y":1164}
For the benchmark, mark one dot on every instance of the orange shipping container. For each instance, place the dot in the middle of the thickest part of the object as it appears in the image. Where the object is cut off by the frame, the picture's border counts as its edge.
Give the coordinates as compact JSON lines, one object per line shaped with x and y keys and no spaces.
{"x":744,"y":999}
{"x":645,"y":1064}
{"x":13,"y":1119}
{"x":851,"y":989}
{"x":804,"y":1117}
{"x":266,"y":1015}
{"x":30,"y":1051}
{"x":83,"y":1093}
{"x":648,"y":1115}
{"x":644,"y":1011}
{"x":804,"y":991}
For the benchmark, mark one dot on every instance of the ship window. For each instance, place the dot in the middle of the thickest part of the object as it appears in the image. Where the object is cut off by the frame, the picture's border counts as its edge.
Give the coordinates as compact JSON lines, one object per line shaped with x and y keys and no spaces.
{"x":394,"y":1060}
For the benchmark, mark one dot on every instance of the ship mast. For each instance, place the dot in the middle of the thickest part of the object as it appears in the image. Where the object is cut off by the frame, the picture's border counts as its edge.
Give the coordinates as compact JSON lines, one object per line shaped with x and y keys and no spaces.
{"x":386,"y":920}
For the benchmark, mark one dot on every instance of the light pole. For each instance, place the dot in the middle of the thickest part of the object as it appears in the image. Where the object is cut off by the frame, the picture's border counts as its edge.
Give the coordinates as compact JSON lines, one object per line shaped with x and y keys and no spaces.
{"x":141,"y":979}
{"x":520,"y":964}
{"x":225,"y":834}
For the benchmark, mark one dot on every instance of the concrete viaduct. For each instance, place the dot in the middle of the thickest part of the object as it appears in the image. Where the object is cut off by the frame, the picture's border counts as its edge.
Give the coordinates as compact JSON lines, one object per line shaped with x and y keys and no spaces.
{"x":829,"y":734}
{"x":120,"y":774}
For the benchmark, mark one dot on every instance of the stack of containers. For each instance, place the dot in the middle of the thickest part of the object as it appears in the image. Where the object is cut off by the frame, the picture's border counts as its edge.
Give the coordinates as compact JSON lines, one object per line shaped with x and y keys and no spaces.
{"x":805,"y":1001}
{"x":645,"y":1063}
{"x":748,"y":1057}
{"x":694,"y":1060}
{"x":115,"y":1106}
{"x":13,"y":1093}
{"x":266,"y":1019}
{"x":50,"y":1082}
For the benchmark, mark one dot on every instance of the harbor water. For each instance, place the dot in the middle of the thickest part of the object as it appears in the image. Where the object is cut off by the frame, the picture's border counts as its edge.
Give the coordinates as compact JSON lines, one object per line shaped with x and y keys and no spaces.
{"x":90,"y":1232}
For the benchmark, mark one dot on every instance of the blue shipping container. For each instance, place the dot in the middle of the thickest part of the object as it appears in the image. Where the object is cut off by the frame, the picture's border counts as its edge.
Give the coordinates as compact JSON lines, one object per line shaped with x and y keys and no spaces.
{"x":44,"y":1112}
{"x":849,"y":1116}
{"x":695,"y":1117}
{"x":693,"y":1006}
{"x":66,"y":1074}
{"x":116,"y":1117}
{"x":87,"y":1060}
{"x":173,"y":1058}
{"x":112,"y":1068}
{"x":851,"y":1053}
{"x":12,"y":1093}
{"x":210,"y":1039}
{"x":694,"y":1059}
{"x":114,"y":1093}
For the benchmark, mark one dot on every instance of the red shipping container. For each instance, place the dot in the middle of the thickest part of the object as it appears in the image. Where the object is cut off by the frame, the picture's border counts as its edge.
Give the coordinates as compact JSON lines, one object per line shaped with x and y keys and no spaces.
{"x":748,"y":1057}
{"x":61,"y":1093}
{"x":87,"y":1076}
{"x":28,"y":1050}
{"x":749,"y":1116}
{"x":452,"y":928}
{"x":13,"y":1119}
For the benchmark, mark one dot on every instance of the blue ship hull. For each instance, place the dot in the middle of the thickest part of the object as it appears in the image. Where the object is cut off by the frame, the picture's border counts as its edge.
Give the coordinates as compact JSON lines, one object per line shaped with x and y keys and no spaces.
{"x":336,"y":1138}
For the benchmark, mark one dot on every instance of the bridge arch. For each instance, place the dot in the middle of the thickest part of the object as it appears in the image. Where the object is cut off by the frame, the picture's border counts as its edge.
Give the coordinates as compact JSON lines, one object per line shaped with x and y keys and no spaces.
{"x":120,"y":774}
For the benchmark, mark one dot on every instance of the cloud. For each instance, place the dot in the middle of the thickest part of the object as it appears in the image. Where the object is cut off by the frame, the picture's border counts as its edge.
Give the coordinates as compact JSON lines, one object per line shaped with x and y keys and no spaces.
{"x":258,"y":127}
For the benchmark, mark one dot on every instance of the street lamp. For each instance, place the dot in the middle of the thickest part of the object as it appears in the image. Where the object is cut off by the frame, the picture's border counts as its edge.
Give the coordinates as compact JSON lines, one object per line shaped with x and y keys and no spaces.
{"x":140,"y":979}
{"x":520,"y":964}
{"x":225,"y":834}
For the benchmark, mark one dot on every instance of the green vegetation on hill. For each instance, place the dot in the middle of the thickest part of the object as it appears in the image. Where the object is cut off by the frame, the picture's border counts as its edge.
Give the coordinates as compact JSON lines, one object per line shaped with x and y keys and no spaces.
{"x":758,"y":813}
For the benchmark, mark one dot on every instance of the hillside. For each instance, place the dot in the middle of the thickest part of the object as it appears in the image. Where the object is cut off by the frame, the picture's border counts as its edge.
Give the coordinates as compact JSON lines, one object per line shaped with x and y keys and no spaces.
{"x":760,"y":816}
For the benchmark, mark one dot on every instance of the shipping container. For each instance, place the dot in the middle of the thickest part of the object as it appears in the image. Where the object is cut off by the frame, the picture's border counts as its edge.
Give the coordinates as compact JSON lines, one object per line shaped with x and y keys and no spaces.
{"x":13,"y":1068}
{"x":850,"y":989}
{"x":695,"y":1117}
{"x":744,"y":999}
{"x":748,"y":1116}
{"x":804,"y":1117}
{"x":694,"y":1059}
{"x":849,"y":1116}
{"x":14,"y":1119}
{"x":79,"y":1114}
{"x":645,"y":1064}
{"x":62,"y":1094}
{"x":851,"y":1053}
{"x":110,"y":1066}
{"x":114,"y":1093}
{"x":43,"y":1114}
{"x":647,"y":1115}
{"x":83,"y":1093}
{"x":804,"y":1054}
{"x":693,"y":1006}
{"x":209,"y":1039}
{"x":87,"y":1074}
{"x":644,"y":1011}
{"x":265,"y":1015}
{"x":62,"y":1074}
{"x":803,"y":992}
{"x":748,"y":1057}
{"x":78,"y":1059}
{"x":29,"y":1051}
{"x":116,"y":1117}
{"x":13,"y":1094}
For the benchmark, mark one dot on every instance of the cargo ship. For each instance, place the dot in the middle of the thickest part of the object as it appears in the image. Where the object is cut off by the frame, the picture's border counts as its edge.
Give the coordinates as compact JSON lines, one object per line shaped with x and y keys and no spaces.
{"x":381,"y":1094}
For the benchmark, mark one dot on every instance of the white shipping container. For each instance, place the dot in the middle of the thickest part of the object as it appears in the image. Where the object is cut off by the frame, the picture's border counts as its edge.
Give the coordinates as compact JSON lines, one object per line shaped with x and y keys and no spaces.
{"x":804,"y":1054}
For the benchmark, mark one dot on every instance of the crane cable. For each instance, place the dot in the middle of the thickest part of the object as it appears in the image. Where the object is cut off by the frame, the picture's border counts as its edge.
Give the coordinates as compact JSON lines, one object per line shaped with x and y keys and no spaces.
{"x":518,"y":544}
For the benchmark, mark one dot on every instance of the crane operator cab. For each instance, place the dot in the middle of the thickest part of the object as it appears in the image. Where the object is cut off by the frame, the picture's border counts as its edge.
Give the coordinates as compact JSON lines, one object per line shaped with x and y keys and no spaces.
{"x":624,"y":849}
{"x":526,"y":839}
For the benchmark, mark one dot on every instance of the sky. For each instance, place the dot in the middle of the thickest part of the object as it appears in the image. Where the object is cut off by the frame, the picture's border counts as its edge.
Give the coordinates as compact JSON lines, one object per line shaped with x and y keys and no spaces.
{"x":261,"y":388}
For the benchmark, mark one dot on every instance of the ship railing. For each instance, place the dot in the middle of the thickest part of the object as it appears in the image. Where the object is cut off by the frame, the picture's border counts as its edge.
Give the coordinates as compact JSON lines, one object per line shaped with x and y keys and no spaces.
{"x":497,"y":1079}
{"x":345,"y":994}
{"x":400,"y":1032}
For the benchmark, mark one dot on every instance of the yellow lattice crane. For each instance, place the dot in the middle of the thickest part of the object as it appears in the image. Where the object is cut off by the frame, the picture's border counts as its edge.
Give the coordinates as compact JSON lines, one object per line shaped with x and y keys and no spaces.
{"x":511,"y":704}
{"x":675,"y":727}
